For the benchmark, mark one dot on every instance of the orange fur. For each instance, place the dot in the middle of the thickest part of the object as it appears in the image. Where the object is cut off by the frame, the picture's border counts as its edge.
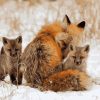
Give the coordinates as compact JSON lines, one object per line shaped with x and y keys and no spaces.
{"x":72,"y":30}
{"x":54,"y":29}
{"x":67,"y":80}
{"x":41,"y":58}
{"x":54,"y":49}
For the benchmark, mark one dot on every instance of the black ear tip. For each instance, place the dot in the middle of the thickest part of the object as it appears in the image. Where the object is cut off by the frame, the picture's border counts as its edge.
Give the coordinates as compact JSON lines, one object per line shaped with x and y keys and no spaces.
{"x":66,"y":16}
{"x":4,"y":39}
{"x":20,"y":36}
{"x":2,"y":50}
{"x":19,"y":39}
{"x":82,"y":24}
{"x":71,"y":47}
{"x":87,"y":47}
{"x":68,"y":20}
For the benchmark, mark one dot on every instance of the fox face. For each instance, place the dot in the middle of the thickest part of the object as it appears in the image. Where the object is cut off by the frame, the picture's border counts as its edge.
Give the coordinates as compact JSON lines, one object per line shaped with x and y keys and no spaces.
{"x":78,"y":55}
{"x":12,"y":47}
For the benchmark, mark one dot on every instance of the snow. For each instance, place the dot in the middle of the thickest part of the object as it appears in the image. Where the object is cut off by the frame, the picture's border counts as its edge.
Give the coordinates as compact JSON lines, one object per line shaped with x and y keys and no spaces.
{"x":20,"y":18}
{"x":11,"y":92}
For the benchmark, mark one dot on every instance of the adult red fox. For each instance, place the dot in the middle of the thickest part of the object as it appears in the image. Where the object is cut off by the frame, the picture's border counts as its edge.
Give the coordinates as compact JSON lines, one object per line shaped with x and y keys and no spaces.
{"x":44,"y":54}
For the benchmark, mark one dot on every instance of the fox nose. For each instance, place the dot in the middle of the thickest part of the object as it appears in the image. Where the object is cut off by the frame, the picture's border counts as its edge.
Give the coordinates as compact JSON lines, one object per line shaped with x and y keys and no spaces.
{"x":13,"y":54}
{"x":78,"y":62}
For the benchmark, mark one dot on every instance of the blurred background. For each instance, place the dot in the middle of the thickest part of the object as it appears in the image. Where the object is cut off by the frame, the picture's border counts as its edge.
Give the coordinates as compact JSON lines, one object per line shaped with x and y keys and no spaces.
{"x":25,"y":17}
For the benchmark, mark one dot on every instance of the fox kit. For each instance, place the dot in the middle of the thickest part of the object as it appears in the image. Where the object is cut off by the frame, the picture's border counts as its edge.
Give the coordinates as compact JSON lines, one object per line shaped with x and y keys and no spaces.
{"x":10,"y":57}
{"x":77,"y":58}
{"x":68,"y":80}
{"x":43,"y":55}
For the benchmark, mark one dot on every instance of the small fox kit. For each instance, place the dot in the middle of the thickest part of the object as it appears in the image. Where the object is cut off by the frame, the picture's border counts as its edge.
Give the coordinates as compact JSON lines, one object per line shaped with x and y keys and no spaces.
{"x":77,"y":58}
{"x":10,"y":57}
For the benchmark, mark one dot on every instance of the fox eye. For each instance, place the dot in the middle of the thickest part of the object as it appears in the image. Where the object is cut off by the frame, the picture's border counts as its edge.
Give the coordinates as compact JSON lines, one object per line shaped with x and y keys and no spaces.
{"x":81,"y":57}
{"x":74,"y":57}
{"x":9,"y":49}
{"x":16,"y":49}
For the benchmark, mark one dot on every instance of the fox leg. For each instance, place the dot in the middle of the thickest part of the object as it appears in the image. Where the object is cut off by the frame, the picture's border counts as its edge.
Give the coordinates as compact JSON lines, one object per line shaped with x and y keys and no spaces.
{"x":16,"y":77}
{"x":13,"y":78}
{"x":20,"y":76}
{"x":2,"y":76}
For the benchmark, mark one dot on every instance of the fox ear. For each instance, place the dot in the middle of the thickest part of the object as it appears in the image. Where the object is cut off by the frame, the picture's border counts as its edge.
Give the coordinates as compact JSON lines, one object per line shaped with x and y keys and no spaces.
{"x":81,"y":24}
{"x":71,"y":47}
{"x":5,"y":40}
{"x":66,"y":20}
{"x":2,"y":50}
{"x":87,"y":48}
{"x":19,"y":39}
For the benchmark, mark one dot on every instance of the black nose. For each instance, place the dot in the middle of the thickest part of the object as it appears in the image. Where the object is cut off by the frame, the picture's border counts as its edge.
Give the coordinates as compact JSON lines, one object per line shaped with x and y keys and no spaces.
{"x":13,"y":55}
{"x":78,"y":63}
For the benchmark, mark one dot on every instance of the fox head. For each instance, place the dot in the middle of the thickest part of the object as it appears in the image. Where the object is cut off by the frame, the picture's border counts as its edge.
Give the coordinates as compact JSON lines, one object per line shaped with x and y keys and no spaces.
{"x":71,"y":34}
{"x":78,"y":55}
{"x":71,"y":28}
{"x":12,"y":47}
{"x":74,"y":30}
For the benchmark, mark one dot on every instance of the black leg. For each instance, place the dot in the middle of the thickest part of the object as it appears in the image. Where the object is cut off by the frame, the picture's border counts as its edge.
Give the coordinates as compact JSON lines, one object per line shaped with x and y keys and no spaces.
{"x":16,"y":80}
{"x":12,"y":78}
{"x":20,"y":78}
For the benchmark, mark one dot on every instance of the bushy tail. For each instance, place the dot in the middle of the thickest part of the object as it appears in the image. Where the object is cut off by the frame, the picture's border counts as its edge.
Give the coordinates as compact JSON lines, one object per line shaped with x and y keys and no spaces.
{"x":84,"y":80}
{"x":71,"y":79}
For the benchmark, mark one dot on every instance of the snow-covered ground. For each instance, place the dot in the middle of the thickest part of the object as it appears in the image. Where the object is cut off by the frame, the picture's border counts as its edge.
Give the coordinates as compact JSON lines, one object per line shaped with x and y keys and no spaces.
{"x":20,"y":18}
